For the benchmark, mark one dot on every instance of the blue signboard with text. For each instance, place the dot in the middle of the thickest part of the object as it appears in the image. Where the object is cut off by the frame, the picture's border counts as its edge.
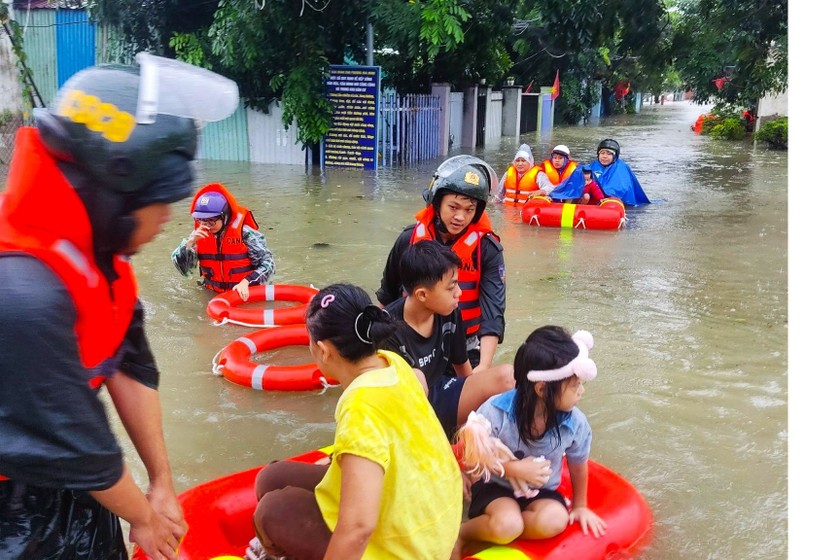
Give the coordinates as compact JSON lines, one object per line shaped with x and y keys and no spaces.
{"x":352,"y":138}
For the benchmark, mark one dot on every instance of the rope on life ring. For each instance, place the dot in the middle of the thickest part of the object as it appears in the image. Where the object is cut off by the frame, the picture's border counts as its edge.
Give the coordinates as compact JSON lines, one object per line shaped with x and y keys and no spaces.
{"x":234,"y":362}
{"x":224,"y":307}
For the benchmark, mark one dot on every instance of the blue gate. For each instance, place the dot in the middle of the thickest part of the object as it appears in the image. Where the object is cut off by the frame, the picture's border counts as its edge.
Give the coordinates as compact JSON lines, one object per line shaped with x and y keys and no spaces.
{"x":75,"y":42}
{"x":409,"y":128}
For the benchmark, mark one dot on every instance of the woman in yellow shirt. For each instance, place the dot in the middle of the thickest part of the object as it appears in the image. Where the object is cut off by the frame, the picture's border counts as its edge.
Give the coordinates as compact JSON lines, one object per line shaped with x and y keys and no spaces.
{"x":393,"y":488}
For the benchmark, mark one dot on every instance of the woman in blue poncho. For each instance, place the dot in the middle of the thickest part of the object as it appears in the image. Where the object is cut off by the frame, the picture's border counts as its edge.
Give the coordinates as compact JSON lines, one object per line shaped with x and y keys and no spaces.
{"x":615,"y":177}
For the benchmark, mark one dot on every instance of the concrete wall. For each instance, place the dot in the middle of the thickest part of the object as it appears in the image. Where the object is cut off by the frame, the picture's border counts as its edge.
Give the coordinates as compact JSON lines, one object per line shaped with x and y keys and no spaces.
{"x":10,"y":96}
{"x":773,"y":105}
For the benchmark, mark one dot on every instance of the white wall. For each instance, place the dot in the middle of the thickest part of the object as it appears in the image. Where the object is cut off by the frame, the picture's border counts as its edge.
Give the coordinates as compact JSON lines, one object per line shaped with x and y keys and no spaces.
{"x":10,"y":97}
{"x":773,"y":105}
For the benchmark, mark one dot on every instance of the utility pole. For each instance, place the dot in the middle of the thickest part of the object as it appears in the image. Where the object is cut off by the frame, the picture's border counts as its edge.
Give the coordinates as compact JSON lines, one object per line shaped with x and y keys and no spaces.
{"x":369,"y":43}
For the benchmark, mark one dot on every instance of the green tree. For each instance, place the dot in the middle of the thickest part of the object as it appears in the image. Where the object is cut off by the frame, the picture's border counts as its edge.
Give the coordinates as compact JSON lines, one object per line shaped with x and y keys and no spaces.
{"x":741,"y":43}
{"x":280,"y":51}
{"x":587,"y":42}
{"x":476,"y":52}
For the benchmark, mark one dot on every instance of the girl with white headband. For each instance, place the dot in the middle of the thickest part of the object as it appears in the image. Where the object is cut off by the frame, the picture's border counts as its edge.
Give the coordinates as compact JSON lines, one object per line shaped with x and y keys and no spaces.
{"x":393,"y":488}
{"x":540,"y":422}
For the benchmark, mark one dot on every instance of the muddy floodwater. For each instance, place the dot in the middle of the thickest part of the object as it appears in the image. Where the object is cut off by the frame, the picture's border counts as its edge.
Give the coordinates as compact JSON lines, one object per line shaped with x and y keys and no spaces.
{"x":688,"y":307}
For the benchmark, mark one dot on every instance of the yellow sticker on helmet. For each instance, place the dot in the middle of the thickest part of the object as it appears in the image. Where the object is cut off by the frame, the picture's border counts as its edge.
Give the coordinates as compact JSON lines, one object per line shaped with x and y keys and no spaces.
{"x":97,"y":116}
{"x":471,"y":178}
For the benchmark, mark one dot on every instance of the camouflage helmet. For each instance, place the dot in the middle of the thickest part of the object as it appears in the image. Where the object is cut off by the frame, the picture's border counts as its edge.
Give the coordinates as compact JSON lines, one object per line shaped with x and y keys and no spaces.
{"x":466,"y":175}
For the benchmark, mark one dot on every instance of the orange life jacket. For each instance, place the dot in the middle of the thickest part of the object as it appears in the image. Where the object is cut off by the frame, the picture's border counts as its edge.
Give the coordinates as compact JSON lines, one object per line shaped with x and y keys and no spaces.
{"x":223,"y":261}
{"x":517,"y":189}
{"x":555,"y":177}
{"x":41,"y":215}
{"x":469,"y":274}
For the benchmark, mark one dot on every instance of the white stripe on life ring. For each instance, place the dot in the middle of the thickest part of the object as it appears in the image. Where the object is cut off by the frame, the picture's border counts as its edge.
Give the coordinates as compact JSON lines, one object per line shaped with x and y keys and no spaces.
{"x":269,"y":292}
{"x":248,"y":342}
{"x":268,"y":317}
{"x":257,"y":377}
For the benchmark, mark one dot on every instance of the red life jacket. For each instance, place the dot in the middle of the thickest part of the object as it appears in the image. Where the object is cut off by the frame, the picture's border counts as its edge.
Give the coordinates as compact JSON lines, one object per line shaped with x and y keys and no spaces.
{"x":552,"y":173}
{"x":518,"y":188}
{"x":469,"y":274}
{"x":223,"y":261}
{"x":41,"y":215}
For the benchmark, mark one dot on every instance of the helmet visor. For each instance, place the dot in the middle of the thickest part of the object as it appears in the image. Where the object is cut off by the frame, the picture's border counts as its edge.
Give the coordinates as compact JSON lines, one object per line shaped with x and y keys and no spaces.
{"x":172,"y":87}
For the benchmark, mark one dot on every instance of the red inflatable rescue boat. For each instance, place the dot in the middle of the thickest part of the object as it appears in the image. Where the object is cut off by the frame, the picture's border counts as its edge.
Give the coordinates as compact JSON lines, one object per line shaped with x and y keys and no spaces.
{"x":540,"y":211}
{"x":224,"y":308}
{"x":219,"y":514}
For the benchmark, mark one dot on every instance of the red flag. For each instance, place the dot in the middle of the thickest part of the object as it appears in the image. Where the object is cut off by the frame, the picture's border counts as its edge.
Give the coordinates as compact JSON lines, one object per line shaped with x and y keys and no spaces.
{"x":555,"y":89}
{"x":528,"y":89}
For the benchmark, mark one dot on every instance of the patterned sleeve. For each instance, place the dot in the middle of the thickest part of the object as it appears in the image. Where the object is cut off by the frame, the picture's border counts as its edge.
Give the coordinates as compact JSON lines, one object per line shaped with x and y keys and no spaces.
{"x":260,"y":255}
{"x":185,"y":258}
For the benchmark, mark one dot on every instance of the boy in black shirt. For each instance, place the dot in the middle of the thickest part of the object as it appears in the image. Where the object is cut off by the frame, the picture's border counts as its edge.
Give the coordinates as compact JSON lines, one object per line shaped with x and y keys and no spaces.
{"x":432,"y":339}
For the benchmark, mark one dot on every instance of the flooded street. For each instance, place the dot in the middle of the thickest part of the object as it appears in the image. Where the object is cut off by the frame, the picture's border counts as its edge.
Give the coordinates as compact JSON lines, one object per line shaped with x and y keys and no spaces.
{"x":688,"y":307}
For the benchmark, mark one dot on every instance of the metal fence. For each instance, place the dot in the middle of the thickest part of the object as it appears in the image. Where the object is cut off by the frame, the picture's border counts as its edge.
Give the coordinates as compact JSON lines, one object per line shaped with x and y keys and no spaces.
{"x":409,"y":128}
{"x":9,"y":125}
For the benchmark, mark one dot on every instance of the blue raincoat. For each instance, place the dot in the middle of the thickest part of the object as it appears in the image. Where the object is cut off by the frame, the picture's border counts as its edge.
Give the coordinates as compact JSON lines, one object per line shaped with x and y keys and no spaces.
{"x":570,"y":187}
{"x":618,"y":180}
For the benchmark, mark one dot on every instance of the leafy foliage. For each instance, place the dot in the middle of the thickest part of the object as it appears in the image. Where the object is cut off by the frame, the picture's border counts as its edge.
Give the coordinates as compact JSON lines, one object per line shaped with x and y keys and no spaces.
{"x":280,"y":51}
{"x":774,"y":133}
{"x":475,"y":50}
{"x":743,"y":44}
{"x":728,"y":128}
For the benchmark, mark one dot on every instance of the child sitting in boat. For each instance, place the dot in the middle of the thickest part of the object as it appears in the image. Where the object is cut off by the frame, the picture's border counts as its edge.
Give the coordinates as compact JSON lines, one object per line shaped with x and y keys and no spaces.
{"x":393,"y":487}
{"x":538,"y":420}
{"x":430,"y":335}
{"x":592,"y":193}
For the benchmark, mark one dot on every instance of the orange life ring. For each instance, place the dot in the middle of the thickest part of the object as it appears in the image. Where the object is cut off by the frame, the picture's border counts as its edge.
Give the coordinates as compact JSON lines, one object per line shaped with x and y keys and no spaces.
{"x":223,"y":308}
{"x":234,"y":362}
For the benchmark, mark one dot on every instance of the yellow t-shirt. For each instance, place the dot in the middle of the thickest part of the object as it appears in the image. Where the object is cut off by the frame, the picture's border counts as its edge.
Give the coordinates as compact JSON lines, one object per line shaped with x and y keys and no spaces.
{"x":384,"y":416}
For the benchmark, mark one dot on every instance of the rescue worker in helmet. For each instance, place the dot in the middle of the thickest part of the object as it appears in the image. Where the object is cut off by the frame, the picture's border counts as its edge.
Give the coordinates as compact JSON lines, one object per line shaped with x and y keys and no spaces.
{"x":225,"y":245}
{"x":614,"y":176}
{"x":88,"y":186}
{"x":455,"y":216}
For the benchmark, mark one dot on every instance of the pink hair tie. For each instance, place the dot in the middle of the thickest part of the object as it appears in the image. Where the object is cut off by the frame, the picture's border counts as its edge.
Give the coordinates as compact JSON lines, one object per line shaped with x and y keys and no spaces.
{"x":326,"y":300}
{"x":582,"y":365}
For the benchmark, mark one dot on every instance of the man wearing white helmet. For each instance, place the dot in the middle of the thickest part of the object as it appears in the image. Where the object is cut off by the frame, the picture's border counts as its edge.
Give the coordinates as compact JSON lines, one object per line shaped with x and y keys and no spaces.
{"x":88,"y":186}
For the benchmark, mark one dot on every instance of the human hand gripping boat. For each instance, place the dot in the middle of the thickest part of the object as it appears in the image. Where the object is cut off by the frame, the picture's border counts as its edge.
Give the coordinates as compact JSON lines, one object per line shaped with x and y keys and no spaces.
{"x":219,"y":514}
{"x":541,"y":211}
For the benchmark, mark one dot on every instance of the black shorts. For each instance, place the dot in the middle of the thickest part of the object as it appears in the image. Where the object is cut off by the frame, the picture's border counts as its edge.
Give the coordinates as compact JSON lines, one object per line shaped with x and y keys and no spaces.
{"x":445,"y":396}
{"x":485,"y":492}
